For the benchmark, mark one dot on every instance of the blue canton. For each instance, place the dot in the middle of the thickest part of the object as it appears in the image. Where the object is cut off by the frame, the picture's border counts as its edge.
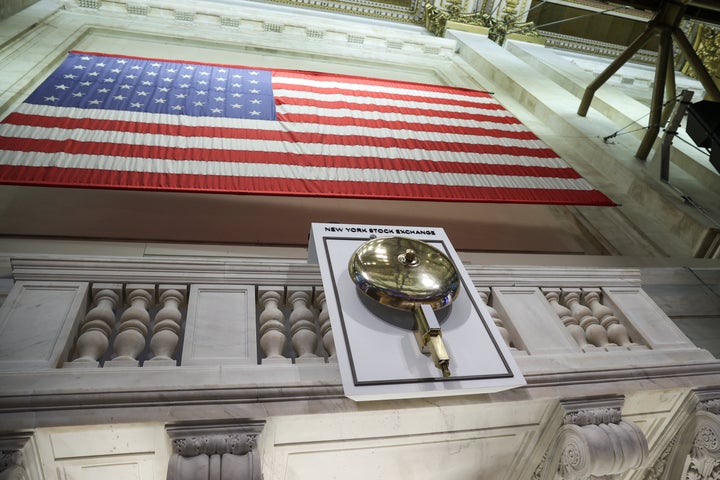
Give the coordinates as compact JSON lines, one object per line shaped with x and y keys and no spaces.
{"x":136,"y":85}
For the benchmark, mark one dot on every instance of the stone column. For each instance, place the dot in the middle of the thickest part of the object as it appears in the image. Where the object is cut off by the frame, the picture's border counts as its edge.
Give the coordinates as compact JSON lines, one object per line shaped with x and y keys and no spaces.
{"x":97,"y":327}
{"x":168,"y":325}
{"x":273,"y":336}
{"x":303,"y":331}
{"x":133,"y":326}
{"x":326,"y":332}
{"x":215,"y":452}
{"x":504,"y":333}
{"x":594,"y":332}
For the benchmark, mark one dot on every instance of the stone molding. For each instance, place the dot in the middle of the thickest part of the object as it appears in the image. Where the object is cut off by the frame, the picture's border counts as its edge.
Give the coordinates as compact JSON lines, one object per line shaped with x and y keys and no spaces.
{"x":217,"y":13}
{"x":594,"y":442}
{"x":211,"y":270}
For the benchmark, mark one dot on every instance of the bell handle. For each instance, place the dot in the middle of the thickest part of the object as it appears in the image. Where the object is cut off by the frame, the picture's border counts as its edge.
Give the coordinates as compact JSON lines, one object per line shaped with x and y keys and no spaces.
{"x":429,"y":337}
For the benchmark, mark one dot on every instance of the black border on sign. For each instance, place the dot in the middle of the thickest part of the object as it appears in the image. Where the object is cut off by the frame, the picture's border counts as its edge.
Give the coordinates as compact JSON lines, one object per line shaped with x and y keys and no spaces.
{"x":508,"y":374}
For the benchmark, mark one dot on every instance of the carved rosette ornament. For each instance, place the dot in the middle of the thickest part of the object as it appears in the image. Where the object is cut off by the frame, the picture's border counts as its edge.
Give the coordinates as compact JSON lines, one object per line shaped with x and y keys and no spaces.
{"x":593,"y":443}
{"x":237,"y":444}
{"x":705,"y":454}
{"x":693,"y":453}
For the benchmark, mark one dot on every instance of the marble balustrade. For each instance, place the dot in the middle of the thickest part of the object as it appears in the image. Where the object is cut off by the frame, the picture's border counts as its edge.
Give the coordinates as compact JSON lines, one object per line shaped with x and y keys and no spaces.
{"x":553,"y":320}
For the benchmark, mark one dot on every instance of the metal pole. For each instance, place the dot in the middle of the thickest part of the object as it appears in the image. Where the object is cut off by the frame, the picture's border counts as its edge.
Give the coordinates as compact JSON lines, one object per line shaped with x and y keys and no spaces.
{"x":671,"y":131}
{"x":613,"y":67}
{"x":670,"y":90}
{"x":656,"y":104}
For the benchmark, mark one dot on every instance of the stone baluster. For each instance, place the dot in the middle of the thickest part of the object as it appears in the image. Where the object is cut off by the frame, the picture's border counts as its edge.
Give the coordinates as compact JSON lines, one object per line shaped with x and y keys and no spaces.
{"x":133,"y":326}
{"x":616,"y":331}
{"x":594,"y":332}
{"x":303,"y":331}
{"x":485,"y":296}
{"x":168,"y":325}
{"x":97,"y":327}
{"x":573,"y":326}
{"x":326,"y":332}
{"x":272,"y":325}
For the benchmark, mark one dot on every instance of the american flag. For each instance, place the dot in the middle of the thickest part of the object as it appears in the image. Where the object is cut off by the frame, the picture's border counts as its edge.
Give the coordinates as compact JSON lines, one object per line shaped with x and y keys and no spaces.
{"x":113,"y":121}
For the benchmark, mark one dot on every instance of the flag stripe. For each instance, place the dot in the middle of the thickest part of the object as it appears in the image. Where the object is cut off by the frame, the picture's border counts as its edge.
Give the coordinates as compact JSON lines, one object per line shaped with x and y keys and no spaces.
{"x":297,"y":114}
{"x":125,"y":122}
{"x":110,"y":149}
{"x":413,"y":179}
{"x":389,"y":88}
{"x":15,"y":137}
{"x":418,"y":111}
{"x":327,"y":133}
{"x":322,"y":95}
{"x":53,"y":176}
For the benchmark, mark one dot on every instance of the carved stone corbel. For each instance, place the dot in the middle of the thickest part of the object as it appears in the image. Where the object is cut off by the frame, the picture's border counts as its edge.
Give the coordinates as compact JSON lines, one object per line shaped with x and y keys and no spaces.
{"x":210,"y":452}
{"x":12,"y":466}
{"x":695,"y":453}
{"x":594,"y":442}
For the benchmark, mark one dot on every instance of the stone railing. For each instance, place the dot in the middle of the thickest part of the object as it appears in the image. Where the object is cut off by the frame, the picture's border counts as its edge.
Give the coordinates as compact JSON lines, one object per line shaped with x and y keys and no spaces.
{"x":89,"y":313}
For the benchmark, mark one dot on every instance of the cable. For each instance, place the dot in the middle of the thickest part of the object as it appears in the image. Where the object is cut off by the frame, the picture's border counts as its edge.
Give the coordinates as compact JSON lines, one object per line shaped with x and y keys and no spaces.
{"x":694,"y":146}
{"x":617,"y":132}
{"x":531,"y":9}
{"x":582,"y":16}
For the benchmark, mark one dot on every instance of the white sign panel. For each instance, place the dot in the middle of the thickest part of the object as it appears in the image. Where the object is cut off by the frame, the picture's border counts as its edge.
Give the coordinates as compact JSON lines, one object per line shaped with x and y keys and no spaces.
{"x":377,"y":352}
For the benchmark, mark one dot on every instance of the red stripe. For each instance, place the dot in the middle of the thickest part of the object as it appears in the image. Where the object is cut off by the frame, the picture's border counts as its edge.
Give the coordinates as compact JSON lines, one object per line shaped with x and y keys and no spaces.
{"x":279,"y":136}
{"x":63,"y":177}
{"x":420,"y":112}
{"x":74,"y":147}
{"x":419,"y":127}
{"x":419,"y":97}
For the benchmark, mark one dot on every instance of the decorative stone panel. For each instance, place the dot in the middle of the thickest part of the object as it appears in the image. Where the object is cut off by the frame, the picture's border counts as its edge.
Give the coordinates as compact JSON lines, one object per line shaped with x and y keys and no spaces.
{"x":220,"y":325}
{"x":37,"y":323}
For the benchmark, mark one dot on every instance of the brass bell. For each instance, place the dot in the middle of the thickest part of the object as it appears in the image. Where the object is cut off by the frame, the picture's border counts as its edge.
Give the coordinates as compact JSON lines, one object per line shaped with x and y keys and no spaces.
{"x":408,"y":274}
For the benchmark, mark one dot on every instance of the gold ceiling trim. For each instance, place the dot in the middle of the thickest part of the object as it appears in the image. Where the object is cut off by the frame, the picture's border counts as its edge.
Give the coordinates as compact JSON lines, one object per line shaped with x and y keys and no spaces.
{"x":707,"y":47}
{"x":406,"y":11}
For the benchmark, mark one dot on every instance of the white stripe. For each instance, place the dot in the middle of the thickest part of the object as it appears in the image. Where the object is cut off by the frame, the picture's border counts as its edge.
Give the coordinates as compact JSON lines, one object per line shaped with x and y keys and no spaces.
{"x":223,"y":122}
{"x":323,"y":84}
{"x":174,"y":167}
{"x":239,"y":145}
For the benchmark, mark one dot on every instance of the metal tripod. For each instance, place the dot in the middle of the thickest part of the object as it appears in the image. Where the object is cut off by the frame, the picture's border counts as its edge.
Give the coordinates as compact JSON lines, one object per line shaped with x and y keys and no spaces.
{"x":665,"y":22}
